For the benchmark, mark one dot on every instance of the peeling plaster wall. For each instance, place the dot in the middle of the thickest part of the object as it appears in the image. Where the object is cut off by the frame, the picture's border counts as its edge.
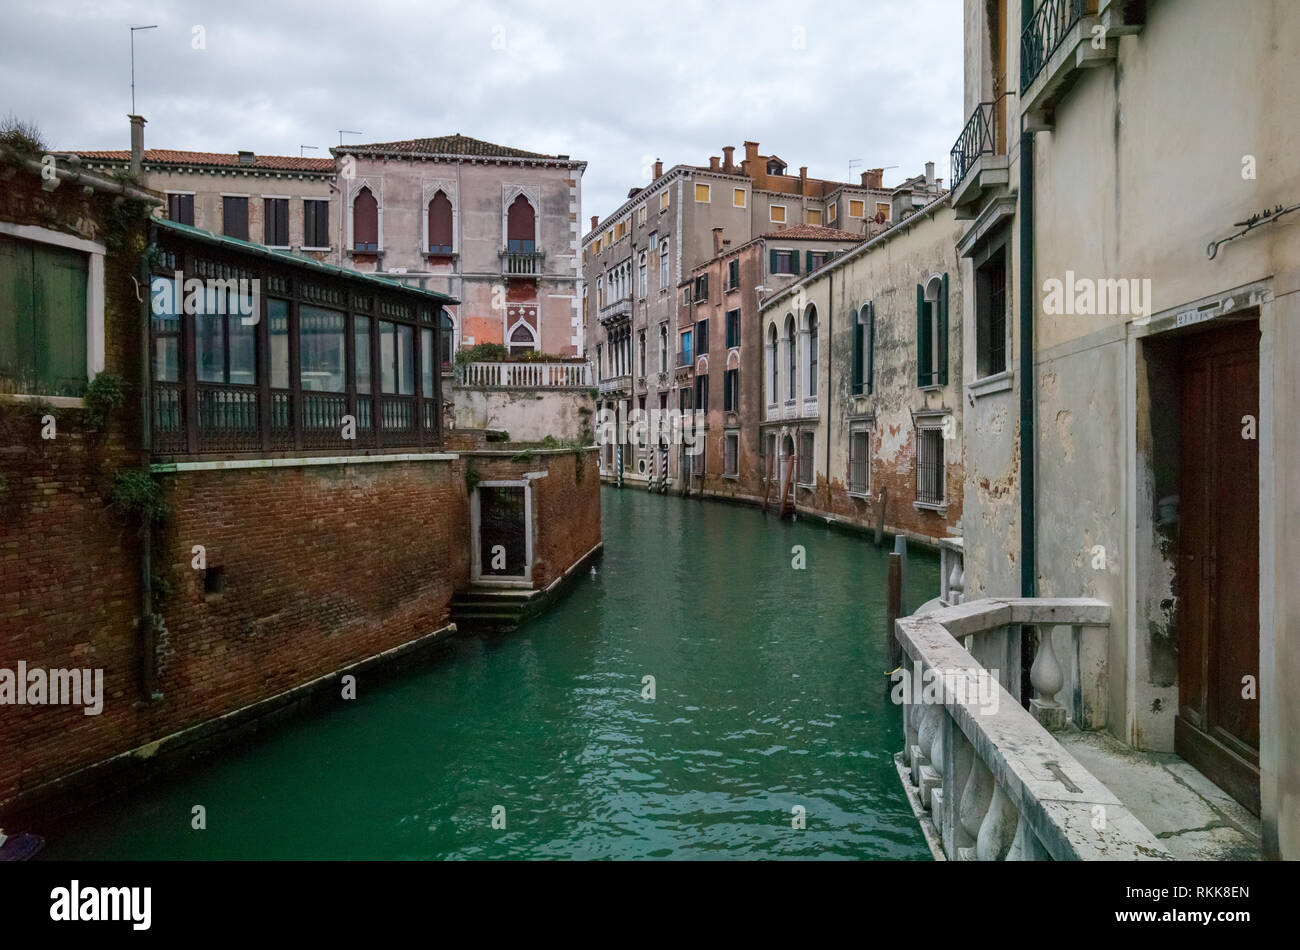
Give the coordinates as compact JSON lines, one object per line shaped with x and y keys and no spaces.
{"x":528,"y":415}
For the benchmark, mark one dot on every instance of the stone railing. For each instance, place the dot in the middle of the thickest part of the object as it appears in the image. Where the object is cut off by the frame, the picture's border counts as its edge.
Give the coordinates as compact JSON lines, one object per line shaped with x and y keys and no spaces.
{"x":616,"y":384}
{"x":522,"y":375}
{"x":952,"y":571}
{"x":988,"y":782}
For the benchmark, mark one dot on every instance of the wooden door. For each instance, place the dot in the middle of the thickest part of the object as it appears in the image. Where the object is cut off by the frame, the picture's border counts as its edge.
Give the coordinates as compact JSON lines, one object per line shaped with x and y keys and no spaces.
{"x":1217,"y":727}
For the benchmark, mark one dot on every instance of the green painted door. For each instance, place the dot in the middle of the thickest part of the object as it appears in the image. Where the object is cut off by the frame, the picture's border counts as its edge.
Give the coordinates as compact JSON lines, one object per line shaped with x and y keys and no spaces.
{"x":42,"y":318}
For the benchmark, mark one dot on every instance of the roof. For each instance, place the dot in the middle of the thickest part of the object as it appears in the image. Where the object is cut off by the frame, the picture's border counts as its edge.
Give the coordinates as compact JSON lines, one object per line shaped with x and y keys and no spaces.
{"x":168,"y":156}
{"x":447,"y":145}
{"x":814,"y":232}
{"x":247,"y":247}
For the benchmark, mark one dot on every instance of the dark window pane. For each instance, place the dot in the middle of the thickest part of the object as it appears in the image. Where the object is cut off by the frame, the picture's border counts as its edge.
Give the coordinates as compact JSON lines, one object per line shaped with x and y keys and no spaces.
{"x":275,"y":222}
{"x":361,"y":345}
{"x":320,"y":339}
{"x":316,"y":223}
{"x":277,"y":317}
{"x":234,"y":217}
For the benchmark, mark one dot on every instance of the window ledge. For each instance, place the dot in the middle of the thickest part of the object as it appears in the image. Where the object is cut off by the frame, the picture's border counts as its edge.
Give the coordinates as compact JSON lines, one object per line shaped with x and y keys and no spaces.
{"x":54,"y":402}
{"x":308,"y":247}
{"x":805,"y":486}
{"x":279,"y":247}
{"x":734,"y":478}
{"x":998,"y":382}
{"x":927,"y":506}
{"x":860,"y":495}
{"x":931,"y":387}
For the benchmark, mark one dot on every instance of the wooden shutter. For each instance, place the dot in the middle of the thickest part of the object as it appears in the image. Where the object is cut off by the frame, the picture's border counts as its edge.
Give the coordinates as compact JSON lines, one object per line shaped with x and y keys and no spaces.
{"x":943,"y":333}
{"x":771,"y":262}
{"x":43,"y":316}
{"x":857,"y":355}
{"x":871,"y":347}
{"x":922,"y":339}
{"x":794,"y":262}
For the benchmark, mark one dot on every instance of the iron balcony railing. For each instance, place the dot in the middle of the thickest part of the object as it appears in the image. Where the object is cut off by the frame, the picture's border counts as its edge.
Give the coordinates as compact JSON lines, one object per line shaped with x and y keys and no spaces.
{"x":1044,"y":33}
{"x":684,"y":358}
{"x":978,"y":138}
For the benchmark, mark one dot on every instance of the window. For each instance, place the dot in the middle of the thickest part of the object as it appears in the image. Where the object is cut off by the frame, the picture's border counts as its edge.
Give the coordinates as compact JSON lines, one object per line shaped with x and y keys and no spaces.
{"x":396,"y":358}
{"x":856,"y":207}
{"x":521,"y":227}
{"x":991,"y":315}
{"x":620,"y":230}
{"x":860,"y":461}
{"x":792,"y":369}
{"x":702,"y":392}
{"x":783,"y":262}
{"x":663,"y":266}
{"x":864,"y":344}
{"x":315,"y":223}
{"x":321,"y":350}
{"x":832,"y":212}
{"x":773,"y":388}
{"x":448,"y":339}
{"x":224,"y":347}
{"x":702,"y":193}
{"x":738,"y":197}
{"x":882,"y":210}
{"x":776,"y":214}
{"x":440,"y":224}
{"x":932,"y":332}
{"x":730,"y":451}
{"x":361,"y":355}
{"x":733,"y":328}
{"x":642,"y":278}
{"x":663,"y":349}
{"x":599,"y":353}
{"x":521,"y":340}
{"x":774,"y":167}
{"x":702,"y":288}
{"x":180,"y":208}
{"x":805,"y":458}
{"x":234,"y":217}
{"x":654,"y":240}
{"x":686,"y":295}
{"x":275,"y":222}
{"x":812,"y":354}
{"x":929,"y":466}
{"x":640,"y":215}
{"x":663,"y":201}
{"x":816,"y":259}
{"x":640,"y":352}
{"x":426,"y":362}
{"x":731,"y":390}
{"x":701,"y":336}
{"x":684,"y":355}
{"x":733,"y":274}
{"x":814,"y":216}
{"x":43,"y":318}
{"x":365,"y":221}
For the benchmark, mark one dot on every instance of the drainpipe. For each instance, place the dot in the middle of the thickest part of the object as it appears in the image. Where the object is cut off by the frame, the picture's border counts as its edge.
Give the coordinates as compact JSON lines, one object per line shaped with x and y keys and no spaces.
{"x":830,"y":336}
{"x":1028,"y":561}
{"x":146,"y":622}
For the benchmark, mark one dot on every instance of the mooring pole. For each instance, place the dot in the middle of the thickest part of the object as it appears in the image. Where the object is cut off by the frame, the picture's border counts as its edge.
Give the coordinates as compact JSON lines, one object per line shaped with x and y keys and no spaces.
{"x":893,"y":610}
{"x":880,"y":516}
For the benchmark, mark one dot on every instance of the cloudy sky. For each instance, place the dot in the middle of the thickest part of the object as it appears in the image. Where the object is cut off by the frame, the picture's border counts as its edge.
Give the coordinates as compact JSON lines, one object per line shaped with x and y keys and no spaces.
{"x":834,"y":85}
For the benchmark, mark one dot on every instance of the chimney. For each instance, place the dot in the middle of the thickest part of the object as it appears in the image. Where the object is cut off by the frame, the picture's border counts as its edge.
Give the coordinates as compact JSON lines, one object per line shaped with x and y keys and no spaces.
{"x":245,"y":158}
{"x":137,"y":144}
{"x":728,"y":158}
{"x":713,"y":163}
{"x":659,"y":170}
{"x":595,"y":220}
{"x":717,"y":241}
{"x":929,"y":176}
{"x":900,"y":204}
{"x":873,"y":178}
{"x":751,"y":152}
{"x":803,"y":179}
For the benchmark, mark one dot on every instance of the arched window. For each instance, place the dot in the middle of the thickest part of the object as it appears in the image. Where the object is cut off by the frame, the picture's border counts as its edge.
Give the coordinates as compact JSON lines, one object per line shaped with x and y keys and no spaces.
{"x":521,"y":339}
{"x":521,"y":227}
{"x":773,"y":389}
{"x":448,"y":339}
{"x":440,"y":230}
{"x":810,"y":359}
{"x":792,"y":353}
{"x":365,"y":221}
{"x":663,"y":348}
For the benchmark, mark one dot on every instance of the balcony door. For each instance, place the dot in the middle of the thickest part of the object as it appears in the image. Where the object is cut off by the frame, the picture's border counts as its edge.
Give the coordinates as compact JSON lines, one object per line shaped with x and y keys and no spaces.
{"x":1217,"y":727}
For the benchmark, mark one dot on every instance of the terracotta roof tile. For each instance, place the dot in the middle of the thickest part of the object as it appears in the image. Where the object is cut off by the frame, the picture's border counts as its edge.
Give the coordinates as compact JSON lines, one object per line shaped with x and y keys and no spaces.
{"x":167,"y":156}
{"x":445,"y":145}
{"x":815,"y":232}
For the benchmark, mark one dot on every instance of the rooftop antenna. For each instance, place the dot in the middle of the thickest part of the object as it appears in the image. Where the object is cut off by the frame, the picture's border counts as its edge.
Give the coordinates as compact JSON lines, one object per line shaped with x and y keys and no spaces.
{"x":852,"y":162}
{"x":314,"y":148}
{"x":133,"y":29}
{"x":343,"y":132}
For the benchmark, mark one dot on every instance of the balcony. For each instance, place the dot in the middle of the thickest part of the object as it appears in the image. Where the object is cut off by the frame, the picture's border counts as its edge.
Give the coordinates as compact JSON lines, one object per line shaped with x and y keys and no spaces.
{"x":809,"y":407}
{"x":522,"y":263}
{"x":616,"y":385}
{"x":616,"y":310}
{"x":524,"y":375}
{"x":1058,"y":43}
{"x":986,"y":779}
{"x":979,"y":159}
{"x":684,"y":358}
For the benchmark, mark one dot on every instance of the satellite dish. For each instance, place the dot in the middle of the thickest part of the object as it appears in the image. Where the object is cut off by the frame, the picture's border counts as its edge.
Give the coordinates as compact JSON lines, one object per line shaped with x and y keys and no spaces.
{"x":880,"y":217}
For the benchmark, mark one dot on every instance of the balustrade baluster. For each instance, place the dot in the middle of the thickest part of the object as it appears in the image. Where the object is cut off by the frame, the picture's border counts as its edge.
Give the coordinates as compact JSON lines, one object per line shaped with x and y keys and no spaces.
{"x":975,"y":800}
{"x":1046,"y":678}
{"x":998,"y":828}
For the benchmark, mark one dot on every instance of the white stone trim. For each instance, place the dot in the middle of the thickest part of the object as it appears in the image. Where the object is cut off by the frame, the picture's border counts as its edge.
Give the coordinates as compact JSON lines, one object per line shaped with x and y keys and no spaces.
{"x":354,"y":189}
{"x":429,"y":188}
{"x":167,"y":468}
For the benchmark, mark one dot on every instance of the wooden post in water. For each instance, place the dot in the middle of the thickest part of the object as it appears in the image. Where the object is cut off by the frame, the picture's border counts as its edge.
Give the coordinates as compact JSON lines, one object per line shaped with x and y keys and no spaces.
{"x":893,"y":609}
{"x":880,"y":516}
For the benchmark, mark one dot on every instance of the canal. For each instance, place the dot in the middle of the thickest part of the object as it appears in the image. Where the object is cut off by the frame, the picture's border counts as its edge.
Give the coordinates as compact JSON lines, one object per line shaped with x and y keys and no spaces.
{"x":767,"y":696}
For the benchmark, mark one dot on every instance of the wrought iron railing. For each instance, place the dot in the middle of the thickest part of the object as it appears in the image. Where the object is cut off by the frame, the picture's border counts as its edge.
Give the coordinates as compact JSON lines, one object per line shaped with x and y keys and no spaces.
{"x":978,"y":138}
{"x":1044,"y":33}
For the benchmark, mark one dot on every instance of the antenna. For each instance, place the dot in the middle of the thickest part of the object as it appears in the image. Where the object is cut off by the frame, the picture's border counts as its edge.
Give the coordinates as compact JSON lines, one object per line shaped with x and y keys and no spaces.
{"x":314,"y":148}
{"x":852,"y":162}
{"x":343,"y":132}
{"x":133,"y":29}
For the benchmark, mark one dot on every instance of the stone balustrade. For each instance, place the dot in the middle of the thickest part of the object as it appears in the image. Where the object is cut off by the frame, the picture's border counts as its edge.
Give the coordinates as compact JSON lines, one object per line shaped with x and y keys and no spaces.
{"x":525,"y":375}
{"x":988,"y":782}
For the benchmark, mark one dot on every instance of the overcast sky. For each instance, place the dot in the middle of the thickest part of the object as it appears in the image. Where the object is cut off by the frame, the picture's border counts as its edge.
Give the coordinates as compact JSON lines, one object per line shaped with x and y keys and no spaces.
{"x":617,"y":84}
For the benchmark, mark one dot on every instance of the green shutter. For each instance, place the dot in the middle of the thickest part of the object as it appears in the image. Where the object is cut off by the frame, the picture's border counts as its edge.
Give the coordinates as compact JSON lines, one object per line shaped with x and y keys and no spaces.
{"x":857,"y":354}
{"x":794,"y":262}
{"x":808,"y":261}
{"x":43,"y":316}
{"x":922,"y":339}
{"x":871,"y":347}
{"x":16,"y":313}
{"x":943,"y":333}
{"x":771,"y":261}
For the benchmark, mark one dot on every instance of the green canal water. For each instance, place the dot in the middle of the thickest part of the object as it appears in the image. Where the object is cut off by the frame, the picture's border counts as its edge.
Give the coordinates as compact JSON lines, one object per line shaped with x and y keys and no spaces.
{"x":768,"y":696}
